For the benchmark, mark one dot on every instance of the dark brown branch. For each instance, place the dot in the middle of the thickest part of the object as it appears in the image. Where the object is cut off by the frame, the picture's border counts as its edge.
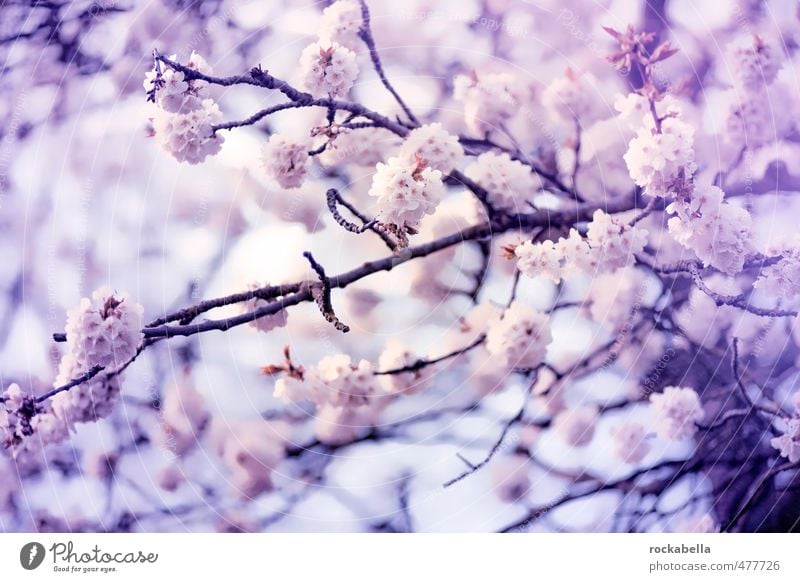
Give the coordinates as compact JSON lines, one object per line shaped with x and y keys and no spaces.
{"x":422,"y":363}
{"x":322,"y":294}
{"x":334,"y":199}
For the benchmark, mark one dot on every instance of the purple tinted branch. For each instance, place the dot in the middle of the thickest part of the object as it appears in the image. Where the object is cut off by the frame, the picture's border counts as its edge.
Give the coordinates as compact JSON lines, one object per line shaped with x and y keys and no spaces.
{"x":365,"y":34}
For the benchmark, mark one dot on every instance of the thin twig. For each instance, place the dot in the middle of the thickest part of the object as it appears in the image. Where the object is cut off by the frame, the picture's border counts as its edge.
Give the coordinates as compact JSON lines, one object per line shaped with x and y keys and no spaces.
{"x":365,"y":34}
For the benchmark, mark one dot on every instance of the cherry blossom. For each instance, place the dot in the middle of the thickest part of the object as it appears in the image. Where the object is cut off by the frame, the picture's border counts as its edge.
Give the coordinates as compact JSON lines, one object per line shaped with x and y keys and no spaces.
{"x":508,"y":183}
{"x":340,"y":23}
{"x":676,"y":412}
{"x":432,"y":143}
{"x":189,"y":137}
{"x":519,"y":337}
{"x":285,"y":160}
{"x":328,"y":68}
{"x":406,"y":191}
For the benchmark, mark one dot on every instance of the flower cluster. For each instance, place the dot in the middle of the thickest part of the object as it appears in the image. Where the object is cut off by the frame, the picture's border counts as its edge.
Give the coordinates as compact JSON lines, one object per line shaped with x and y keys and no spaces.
{"x":183,"y":419}
{"x":328,"y":69}
{"x":630,"y":444}
{"x":340,"y":23}
{"x":540,"y":259}
{"x":508,"y":183}
{"x":718,"y":232}
{"x":172,"y":92}
{"x":574,"y":97}
{"x":365,"y":147}
{"x":789,"y":442}
{"x":185,"y":117}
{"x":751,"y":120}
{"x":440,"y":150}
{"x":102,"y":331}
{"x":189,"y":137}
{"x":489,"y":100}
{"x":676,"y":412}
{"x":662,"y":161}
{"x":609,"y":245}
{"x":335,"y":381}
{"x":754,"y":61}
{"x":616,"y":297}
{"x":395,"y":356}
{"x":285,"y":160}
{"x":336,"y":425}
{"x":268,"y":322}
{"x":406,"y":190}
{"x":614,"y":243}
{"x":576,"y":426}
{"x":16,"y":412}
{"x":250,"y":450}
{"x":519,"y":336}
{"x":782,"y":279}
{"x":510,"y":478}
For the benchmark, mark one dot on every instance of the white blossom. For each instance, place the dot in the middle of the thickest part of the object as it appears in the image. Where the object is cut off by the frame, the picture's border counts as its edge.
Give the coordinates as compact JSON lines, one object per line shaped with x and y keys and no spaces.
{"x":440,"y":149}
{"x":788,"y":444}
{"x":189,"y":137}
{"x":406,"y":191}
{"x":267,"y":322}
{"x":633,"y":110}
{"x":102,"y":331}
{"x":754,"y":120}
{"x":510,"y":478}
{"x":285,"y":160}
{"x":340,"y":23}
{"x":576,"y":254}
{"x":617,"y":297}
{"x":508,"y":183}
{"x":609,"y":245}
{"x":328,"y":69}
{"x":14,"y":421}
{"x":661,"y":162}
{"x":183,"y":418}
{"x":397,"y":355}
{"x":489,"y":100}
{"x":576,"y":426}
{"x":782,"y":279}
{"x":519,"y":338}
{"x":24,"y":428}
{"x":614,"y":242}
{"x":364,"y":147}
{"x":676,"y":412}
{"x":174,"y":93}
{"x":718,"y":232}
{"x":86,"y":402}
{"x":754,"y":62}
{"x":630,"y":442}
{"x":539,"y":259}
{"x":334,"y":380}
{"x":337,"y":425}
{"x":250,"y":450}
{"x":574,"y":97}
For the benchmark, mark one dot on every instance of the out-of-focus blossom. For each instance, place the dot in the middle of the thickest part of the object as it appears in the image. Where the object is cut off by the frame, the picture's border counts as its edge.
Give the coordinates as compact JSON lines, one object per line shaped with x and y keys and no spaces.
{"x":285,"y":160}
{"x":519,"y":338}
{"x":676,"y":412}
{"x":576,"y":426}
{"x":508,"y":183}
